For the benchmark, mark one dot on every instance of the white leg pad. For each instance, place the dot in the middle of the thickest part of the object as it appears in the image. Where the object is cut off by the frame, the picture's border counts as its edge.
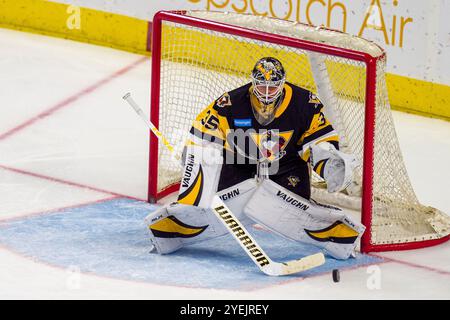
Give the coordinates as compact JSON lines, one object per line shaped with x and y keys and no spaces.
{"x":302,"y":220}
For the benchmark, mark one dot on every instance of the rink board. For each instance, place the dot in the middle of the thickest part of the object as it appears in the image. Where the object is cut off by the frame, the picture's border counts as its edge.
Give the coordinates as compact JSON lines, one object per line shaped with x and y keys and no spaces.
{"x":110,"y":239}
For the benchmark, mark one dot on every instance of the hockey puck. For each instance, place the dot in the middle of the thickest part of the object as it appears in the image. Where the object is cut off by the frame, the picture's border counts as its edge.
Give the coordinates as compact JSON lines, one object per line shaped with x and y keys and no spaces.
{"x":336,"y":275}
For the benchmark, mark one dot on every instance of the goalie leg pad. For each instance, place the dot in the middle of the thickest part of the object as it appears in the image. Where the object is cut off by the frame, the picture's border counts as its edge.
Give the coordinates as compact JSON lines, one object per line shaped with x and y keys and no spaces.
{"x":200,"y":176}
{"x":176,"y":225}
{"x":305,"y":221}
{"x":173,"y":225}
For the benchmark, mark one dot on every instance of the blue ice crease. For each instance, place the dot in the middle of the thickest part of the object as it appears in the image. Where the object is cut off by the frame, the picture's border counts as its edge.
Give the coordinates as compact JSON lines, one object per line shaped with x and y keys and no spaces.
{"x":110,"y":239}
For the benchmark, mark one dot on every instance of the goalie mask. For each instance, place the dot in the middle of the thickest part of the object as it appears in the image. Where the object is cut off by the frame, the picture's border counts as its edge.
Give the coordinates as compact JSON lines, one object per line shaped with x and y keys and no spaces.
{"x":268,"y":78}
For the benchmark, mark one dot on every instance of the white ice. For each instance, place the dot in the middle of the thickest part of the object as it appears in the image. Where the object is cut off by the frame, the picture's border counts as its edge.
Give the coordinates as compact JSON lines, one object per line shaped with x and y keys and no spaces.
{"x":93,"y":147}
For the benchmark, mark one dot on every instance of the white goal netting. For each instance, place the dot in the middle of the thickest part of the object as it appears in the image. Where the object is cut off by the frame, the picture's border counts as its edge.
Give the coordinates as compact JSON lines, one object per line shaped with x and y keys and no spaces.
{"x":198,"y":65}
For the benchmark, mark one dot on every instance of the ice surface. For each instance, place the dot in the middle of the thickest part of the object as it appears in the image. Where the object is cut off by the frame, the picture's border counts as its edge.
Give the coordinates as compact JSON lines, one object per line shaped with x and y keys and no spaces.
{"x":109,"y":238}
{"x":59,"y":172}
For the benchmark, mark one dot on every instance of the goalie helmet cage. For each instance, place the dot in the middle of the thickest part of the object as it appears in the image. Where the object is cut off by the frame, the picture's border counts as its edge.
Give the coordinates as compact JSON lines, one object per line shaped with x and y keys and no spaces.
{"x":199,"y":55}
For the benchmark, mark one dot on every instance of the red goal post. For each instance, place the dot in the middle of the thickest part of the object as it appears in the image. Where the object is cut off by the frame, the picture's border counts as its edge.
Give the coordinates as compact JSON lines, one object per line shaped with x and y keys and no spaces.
{"x":215,"y":25}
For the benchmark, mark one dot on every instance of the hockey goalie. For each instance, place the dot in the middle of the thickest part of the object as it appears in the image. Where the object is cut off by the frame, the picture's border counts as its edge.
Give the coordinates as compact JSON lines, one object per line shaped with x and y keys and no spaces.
{"x":255,"y":147}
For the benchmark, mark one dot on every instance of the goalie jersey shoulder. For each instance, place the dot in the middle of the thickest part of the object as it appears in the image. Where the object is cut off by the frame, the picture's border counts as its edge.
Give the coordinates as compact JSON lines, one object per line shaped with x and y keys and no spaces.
{"x":232,"y":100}
{"x":309,"y":103}
{"x":212,"y":123}
{"x":316,"y":127}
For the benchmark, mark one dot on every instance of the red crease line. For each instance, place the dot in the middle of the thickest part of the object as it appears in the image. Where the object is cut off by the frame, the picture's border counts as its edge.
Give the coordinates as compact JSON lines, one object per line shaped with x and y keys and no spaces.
{"x":54,"y":210}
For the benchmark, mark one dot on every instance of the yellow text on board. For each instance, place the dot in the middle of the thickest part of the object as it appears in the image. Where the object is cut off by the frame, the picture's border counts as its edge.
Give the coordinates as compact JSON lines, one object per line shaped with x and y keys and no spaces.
{"x":393,"y":31}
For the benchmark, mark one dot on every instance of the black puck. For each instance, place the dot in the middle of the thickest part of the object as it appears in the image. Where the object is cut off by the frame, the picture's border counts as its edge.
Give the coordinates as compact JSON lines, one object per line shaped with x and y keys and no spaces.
{"x":336,"y":275}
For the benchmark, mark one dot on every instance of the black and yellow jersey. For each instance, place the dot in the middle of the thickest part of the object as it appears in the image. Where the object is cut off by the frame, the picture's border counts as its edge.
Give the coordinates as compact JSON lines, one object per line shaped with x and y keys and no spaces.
{"x":299,"y":122}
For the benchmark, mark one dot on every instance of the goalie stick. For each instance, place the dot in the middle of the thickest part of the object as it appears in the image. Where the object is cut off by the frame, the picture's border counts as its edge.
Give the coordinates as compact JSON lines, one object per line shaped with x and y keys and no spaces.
{"x":150,"y":125}
{"x":235,"y":227}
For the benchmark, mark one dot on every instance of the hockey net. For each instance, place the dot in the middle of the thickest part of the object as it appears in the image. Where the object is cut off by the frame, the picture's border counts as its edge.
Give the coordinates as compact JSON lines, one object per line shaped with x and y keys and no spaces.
{"x":197,"y":56}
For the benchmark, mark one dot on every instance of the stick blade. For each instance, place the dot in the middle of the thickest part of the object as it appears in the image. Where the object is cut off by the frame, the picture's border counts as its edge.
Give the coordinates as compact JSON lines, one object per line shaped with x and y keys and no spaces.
{"x":294,"y":266}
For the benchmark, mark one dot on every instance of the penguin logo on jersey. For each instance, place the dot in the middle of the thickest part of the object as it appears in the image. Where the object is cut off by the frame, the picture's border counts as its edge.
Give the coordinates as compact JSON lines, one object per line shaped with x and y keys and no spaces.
{"x":224,"y":101}
{"x":314,"y":99}
{"x":272,"y":143}
{"x":293,"y":181}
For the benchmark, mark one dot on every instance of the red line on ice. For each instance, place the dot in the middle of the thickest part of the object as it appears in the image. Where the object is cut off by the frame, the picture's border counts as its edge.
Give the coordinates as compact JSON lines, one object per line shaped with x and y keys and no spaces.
{"x":66,"y":182}
{"x":69,"y":100}
{"x":413,"y":265}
